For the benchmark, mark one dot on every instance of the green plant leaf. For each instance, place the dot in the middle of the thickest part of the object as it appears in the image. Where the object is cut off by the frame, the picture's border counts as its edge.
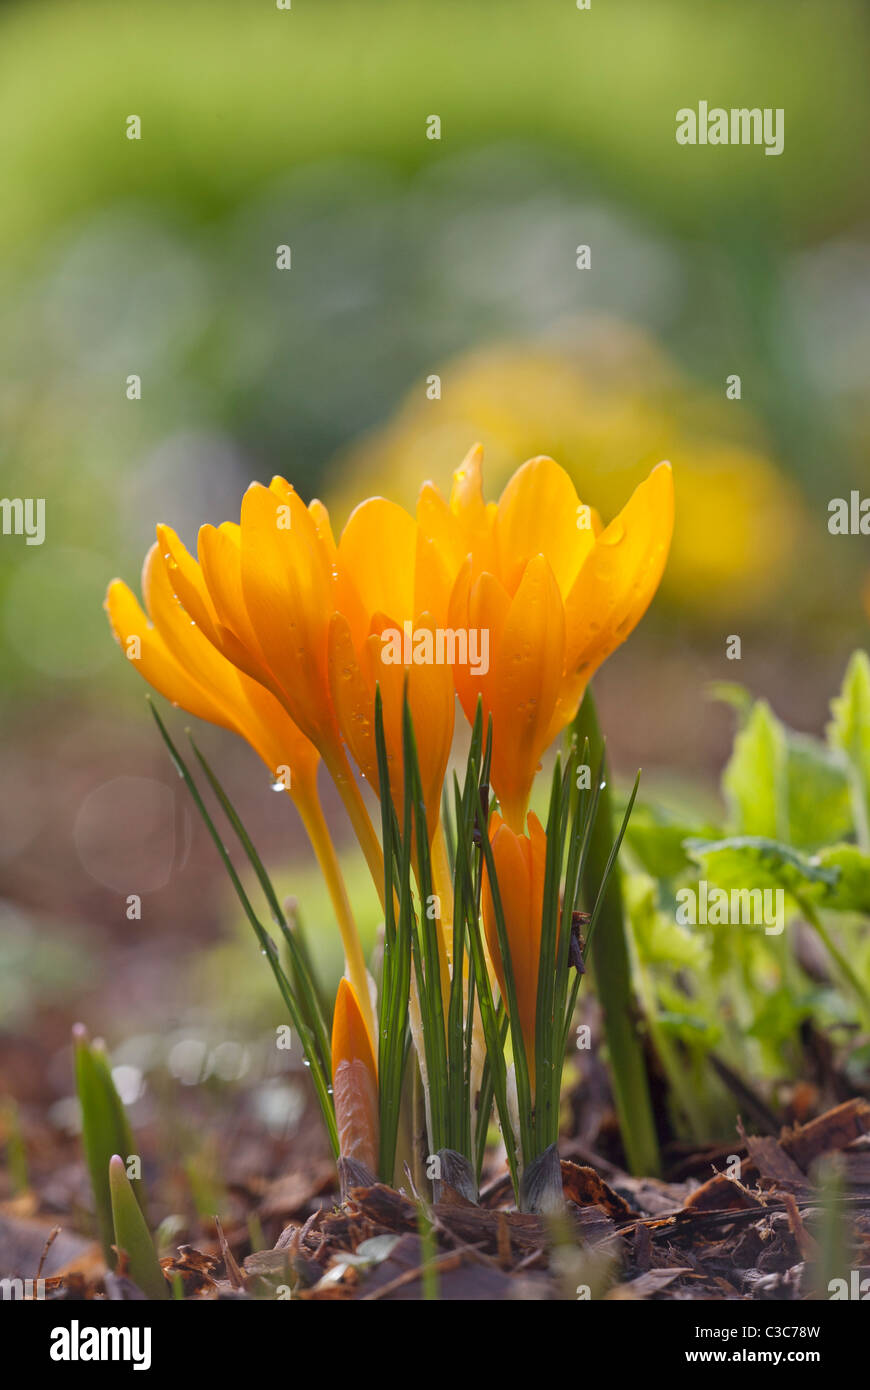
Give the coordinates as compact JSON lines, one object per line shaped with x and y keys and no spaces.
{"x":734,"y":694}
{"x":851,"y":891}
{"x":755,"y":779}
{"x":660,"y":940}
{"x":818,"y":792}
{"x":319,"y":1069}
{"x":658,"y":843}
{"x":612,"y":969}
{"x":849,"y":731}
{"x":132,"y":1234}
{"x":105,"y":1128}
{"x":753,"y":861}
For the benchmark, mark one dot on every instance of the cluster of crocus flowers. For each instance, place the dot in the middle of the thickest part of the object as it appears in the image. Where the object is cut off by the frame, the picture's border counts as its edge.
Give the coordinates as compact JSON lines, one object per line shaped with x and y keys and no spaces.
{"x":286,"y":636}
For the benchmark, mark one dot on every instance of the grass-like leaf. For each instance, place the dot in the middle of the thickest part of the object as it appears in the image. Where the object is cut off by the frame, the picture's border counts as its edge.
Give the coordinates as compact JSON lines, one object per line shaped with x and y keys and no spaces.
{"x":131,"y":1233}
{"x":319,"y":1068}
{"x":306,"y":989}
{"x":613,"y":971}
{"x":393,"y":1040}
{"x":105,"y":1129}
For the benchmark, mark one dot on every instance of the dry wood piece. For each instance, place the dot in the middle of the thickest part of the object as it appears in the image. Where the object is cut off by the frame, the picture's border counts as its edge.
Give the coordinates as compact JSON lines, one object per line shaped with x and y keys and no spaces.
{"x":774,"y":1165}
{"x":585,"y":1187}
{"x":834,"y":1130}
{"x":720,"y":1193}
{"x":645,"y":1285}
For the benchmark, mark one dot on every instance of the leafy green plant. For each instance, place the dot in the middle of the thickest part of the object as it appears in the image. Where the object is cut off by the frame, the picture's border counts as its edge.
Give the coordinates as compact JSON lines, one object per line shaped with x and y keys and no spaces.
{"x":795,"y":826}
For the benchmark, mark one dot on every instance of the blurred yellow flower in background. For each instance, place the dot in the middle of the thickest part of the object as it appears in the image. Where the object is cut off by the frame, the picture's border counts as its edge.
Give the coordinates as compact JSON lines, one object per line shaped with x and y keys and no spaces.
{"x":606,"y":401}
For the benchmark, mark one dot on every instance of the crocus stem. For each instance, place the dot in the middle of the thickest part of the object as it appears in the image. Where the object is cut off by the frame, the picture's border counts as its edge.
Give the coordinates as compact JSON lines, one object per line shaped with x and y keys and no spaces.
{"x":441,"y":875}
{"x":612,"y":972}
{"x":348,"y":790}
{"x":314,"y":821}
{"x":442,"y":884}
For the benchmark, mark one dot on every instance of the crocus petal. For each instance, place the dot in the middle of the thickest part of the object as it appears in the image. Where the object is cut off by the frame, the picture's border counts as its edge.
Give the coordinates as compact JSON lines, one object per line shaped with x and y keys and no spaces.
{"x":484,"y":605}
{"x":439,"y":525}
{"x":538,"y":515}
{"x":187,"y":582}
{"x":432,"y":703}
{"x":476,"y":517}
{"x":616,"y":584}
{"x":378,"y":546}
{"x":353,"y":699}
{"x":286,"y":586}
{"x":432,"y":582}
{"x":179,"y":662}
{"x":522,"y":694}
{"x":520,"y":862}
{"x":466,"y":495}
{"x":155,"y":663}
{"x":187,"y":643}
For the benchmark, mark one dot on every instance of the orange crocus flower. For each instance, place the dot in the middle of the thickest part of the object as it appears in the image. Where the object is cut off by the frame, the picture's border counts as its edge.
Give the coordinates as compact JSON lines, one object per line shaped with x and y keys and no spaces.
{"x":520,"y":863}
{"x":354,"y":1080}
{"x":172,"y":653}
{"x":555,"y":591}
{"x":263,"y":593}
{"x":178,"y":655}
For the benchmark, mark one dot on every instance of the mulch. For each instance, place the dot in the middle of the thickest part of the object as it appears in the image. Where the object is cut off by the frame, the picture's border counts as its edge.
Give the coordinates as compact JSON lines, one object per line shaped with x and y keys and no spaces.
{"x":747,"y":1237}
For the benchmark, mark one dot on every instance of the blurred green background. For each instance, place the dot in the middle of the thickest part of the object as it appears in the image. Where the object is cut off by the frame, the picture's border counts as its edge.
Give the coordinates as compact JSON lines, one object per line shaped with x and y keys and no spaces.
{"x":410,"y":257}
